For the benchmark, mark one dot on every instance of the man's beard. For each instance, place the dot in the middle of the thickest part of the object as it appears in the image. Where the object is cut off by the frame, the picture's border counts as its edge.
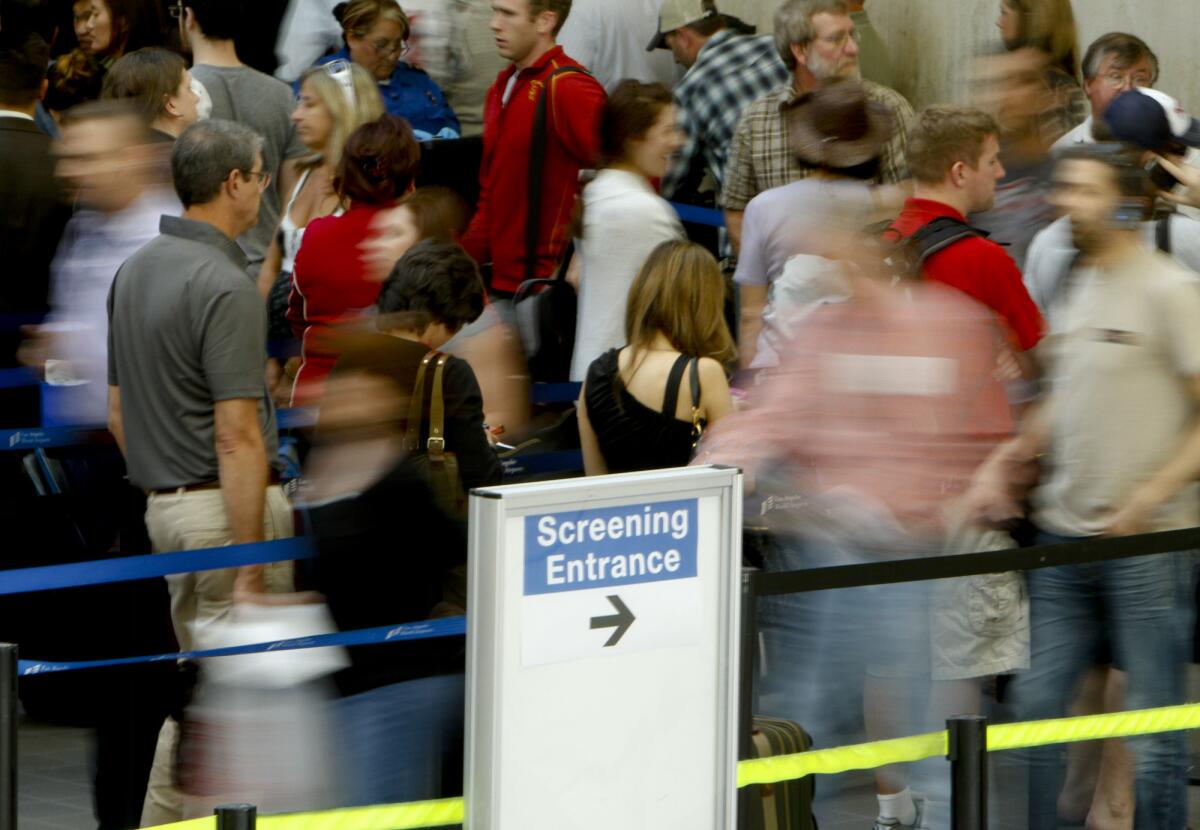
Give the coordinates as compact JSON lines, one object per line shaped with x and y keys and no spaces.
{"x":823,"y":71}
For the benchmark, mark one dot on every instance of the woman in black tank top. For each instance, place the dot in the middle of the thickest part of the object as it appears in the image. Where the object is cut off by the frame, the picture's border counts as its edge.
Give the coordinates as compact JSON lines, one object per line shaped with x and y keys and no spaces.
{"x":643,"y":407}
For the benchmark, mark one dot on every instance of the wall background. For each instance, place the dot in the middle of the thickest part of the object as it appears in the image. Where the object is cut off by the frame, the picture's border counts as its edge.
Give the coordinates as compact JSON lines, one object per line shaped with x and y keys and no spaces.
{"x":932,"y":41}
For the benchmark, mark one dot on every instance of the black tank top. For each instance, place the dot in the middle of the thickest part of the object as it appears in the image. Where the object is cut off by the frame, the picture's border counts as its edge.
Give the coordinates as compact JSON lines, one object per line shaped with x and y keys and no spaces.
{"x":632,"y":436}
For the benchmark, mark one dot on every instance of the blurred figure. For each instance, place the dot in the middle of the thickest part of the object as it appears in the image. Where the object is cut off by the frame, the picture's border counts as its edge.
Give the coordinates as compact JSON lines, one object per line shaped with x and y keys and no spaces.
{"x":882,"y":408}
{"x":335,"y":100}
{"x":36,"y":212}
{"x":1047,"y":27}
{"x":159,"y":84}
{"x":521,"y":233}
{"x":873,"y":59}
{"x":954,"y":155}
{"x":477,"y":62}
{"x":376,"y":33}
{"x":1149,"y":120}
{"x":247,"y":96}
{"x":645,"y":406}
{"x":1136,"y":316}
{"x":108,"y":29}
{"x":1114,"y":63}
{"x":400,"y":716}
{"x":817,"y":41}
{"x":207,"y":474}
{"x":75,"y":78}
{"x":330,"y":285}
{"x":609,"y":38}
{"x":426,"y":213}
{"x":726,"y":72}
{"x":120,"y":187}
{"x":838,"y":133}
{"x":623,"y":218}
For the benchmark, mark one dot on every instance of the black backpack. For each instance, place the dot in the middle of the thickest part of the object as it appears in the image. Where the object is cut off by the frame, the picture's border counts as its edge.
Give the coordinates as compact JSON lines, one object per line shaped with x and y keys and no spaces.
{"x":905,"y":255}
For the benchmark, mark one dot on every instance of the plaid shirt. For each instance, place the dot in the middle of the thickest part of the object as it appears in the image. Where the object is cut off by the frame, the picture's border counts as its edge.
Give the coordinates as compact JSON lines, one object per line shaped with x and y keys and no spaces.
{"x":730,"y":72}
{"x":760,"y":156}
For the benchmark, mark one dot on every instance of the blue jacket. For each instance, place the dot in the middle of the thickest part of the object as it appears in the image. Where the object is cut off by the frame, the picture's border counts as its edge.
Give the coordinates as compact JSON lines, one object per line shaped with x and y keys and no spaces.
{"x":412,"y":95}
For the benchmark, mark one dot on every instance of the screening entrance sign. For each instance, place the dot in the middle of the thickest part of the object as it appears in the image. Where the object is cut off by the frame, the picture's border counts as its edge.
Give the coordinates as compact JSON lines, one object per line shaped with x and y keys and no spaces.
{"x":602,"y":652}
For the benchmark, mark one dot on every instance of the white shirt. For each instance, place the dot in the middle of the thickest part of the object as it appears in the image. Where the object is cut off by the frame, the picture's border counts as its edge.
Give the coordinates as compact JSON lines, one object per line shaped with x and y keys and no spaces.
{"x":14,"y":114}
{"x":94,"y":246}
{"x":623,"y":221}
{"x":609,"y":37}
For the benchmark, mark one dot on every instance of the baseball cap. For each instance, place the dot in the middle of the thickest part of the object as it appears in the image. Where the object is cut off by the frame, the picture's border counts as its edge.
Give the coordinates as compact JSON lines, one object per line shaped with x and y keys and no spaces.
{"x":1152,"y":120}
{"x":679,"y":13}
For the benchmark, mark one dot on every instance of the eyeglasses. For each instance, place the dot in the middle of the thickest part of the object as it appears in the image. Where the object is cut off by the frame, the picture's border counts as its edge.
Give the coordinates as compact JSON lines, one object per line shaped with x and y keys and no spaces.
{"x":341,"y":72}
{"x":264,"y":178}
{"x":839,"y":40}
{"x":1116,"y":79}
{"x":399,"y":48}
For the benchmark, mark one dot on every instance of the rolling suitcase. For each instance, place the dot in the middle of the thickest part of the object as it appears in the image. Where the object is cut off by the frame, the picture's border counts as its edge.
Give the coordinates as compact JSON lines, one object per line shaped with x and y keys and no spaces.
{"x":788,"y":804}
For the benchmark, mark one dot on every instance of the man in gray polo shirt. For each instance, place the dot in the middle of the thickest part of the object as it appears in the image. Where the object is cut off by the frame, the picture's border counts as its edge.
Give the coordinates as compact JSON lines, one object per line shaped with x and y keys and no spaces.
{"x":188,"y":401}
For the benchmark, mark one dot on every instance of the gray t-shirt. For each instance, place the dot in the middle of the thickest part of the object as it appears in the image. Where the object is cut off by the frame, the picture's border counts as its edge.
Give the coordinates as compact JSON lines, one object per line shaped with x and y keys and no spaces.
{"x":185,"y":329}
{"x":264,"y":104}
{"x":1121,"y":360}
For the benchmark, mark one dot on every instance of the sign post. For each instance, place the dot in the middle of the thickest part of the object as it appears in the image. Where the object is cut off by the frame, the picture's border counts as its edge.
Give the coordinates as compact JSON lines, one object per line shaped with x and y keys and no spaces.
{"x":603,"y":652}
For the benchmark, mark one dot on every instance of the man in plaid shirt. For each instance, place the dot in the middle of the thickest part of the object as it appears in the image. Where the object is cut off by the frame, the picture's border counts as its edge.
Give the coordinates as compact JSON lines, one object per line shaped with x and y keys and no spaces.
{"x":817,"y":40}
{"x":726,"y":72}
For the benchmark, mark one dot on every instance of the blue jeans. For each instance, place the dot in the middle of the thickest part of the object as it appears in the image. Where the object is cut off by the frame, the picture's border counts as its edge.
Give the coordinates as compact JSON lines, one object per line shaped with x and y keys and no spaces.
{"x":1145,"y":605}
{"x":396,"y":739}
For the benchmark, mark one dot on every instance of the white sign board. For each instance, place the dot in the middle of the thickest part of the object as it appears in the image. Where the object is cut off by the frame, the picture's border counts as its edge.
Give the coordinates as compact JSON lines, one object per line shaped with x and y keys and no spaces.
{"x":602,"y":653}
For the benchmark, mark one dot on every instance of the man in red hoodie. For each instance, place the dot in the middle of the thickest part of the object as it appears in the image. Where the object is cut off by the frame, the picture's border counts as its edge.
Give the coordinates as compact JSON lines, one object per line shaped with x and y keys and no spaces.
{"x":525,"y":32}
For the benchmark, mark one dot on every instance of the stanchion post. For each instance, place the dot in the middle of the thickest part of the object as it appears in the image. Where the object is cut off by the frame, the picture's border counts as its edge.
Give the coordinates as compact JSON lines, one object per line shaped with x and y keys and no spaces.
{"x":968,"y":772}
{"x":8,"y":736}
{"x":749,"y":650}
{"x":236,"y":817}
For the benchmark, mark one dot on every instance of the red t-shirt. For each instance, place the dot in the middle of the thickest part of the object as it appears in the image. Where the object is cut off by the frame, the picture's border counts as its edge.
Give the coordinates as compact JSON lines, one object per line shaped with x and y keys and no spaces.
{"x":980,"y":269}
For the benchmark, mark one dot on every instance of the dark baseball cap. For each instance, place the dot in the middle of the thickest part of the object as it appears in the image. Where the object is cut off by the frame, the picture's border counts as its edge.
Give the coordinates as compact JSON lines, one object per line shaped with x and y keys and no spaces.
{"x":1152,"y":120}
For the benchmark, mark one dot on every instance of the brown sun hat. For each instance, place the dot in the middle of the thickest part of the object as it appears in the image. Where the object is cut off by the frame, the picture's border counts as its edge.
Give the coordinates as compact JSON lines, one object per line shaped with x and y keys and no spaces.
{"x":836,"y":126}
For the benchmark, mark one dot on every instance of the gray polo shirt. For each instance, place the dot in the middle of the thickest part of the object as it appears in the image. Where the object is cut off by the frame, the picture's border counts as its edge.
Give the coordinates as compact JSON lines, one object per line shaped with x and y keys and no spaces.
{"x":186,"y":328}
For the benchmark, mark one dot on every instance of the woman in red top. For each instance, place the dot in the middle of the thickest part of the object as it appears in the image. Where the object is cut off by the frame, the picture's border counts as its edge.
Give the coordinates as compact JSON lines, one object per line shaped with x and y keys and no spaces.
{"x":330,"y":285}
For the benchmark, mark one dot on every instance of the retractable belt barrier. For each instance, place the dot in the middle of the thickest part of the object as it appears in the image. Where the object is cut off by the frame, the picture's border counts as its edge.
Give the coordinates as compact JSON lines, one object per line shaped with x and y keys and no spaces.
{"x":1000,"y":737}
{"x":696,"y":215}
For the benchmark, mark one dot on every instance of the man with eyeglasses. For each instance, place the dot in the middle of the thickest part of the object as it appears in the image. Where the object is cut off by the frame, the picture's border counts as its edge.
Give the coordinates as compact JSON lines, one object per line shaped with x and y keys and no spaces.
{"x":187,"y":396}
{"x":243,"y":94}
{"x":818,"y":41}
{"x":1116,"y":62}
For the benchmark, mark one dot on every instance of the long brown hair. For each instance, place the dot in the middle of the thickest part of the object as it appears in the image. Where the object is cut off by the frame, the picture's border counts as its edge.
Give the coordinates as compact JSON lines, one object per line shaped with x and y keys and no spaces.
{"x":680,"y":292}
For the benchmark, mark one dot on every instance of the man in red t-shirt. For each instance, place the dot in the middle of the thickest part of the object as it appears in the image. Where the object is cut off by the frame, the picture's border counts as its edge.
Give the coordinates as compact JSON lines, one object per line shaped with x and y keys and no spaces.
{"x":525,"y":31}
{"x":954,"y":158}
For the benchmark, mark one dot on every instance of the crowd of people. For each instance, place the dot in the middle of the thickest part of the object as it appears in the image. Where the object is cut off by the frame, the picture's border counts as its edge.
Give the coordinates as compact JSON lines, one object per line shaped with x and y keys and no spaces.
{"x":919,"y":332}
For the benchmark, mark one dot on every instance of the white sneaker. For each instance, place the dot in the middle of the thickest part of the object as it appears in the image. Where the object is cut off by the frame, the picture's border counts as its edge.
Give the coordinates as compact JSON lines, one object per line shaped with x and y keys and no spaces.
{"x":894,"y":823}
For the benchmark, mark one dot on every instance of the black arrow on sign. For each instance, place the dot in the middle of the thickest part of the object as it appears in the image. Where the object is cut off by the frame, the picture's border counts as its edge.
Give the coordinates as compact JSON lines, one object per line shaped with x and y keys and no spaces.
{"x":620,"y":620}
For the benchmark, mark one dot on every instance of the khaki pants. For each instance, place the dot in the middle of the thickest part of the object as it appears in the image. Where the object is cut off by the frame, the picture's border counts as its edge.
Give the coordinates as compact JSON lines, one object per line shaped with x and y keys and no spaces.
{"x":189,"y":520}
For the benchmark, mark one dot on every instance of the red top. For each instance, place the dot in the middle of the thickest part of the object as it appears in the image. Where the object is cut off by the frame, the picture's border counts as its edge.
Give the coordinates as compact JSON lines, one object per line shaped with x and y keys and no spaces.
{"x":497,"y":232}
{"x":328,"y":287}
{"x":979,"y":268}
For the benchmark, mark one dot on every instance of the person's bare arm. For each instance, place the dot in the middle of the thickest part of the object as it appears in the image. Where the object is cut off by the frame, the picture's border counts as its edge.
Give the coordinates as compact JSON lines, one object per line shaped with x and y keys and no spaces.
{"x":715,"y":399}
{"x":753,"y":299}
{"x":593,"y":459}
{"x":733,"y":226}
{"x":1182,"y":468}
{"x":272,"y":262}
{"x":115,"y":425}
{"x":242,"y":468}
{"x":998,"y":486}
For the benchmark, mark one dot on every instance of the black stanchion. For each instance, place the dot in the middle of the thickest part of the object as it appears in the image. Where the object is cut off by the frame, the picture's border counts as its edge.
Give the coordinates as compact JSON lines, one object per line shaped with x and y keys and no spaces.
{"x":236,"y":817}
{"x":8,"y":736}
{"x":749,"y":649}
{"x":968,"y":772}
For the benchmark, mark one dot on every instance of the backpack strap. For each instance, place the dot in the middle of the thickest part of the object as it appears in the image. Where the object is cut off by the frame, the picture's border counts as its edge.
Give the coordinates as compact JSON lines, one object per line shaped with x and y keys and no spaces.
{"x":537,"y":156}
{"x":671,"y":393}
{"x":939,"y":235}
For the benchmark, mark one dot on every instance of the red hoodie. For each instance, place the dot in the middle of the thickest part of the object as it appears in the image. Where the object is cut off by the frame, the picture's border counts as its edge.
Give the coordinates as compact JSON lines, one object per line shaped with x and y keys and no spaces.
{"x":497,"y":232}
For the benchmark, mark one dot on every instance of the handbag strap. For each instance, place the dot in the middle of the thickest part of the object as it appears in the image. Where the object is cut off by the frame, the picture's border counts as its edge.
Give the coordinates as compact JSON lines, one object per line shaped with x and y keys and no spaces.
{"x":416,"y":406}
{"x":537,"y":157}
{"x":694,"y":376}
{"x":437,"y":413}
{"x":671,"y":393}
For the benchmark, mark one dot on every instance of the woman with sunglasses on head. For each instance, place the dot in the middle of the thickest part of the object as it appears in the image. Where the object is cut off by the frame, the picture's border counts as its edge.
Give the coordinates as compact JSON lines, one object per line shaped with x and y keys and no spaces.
{"x":376,"y":35}
{"x":335,"y":99}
